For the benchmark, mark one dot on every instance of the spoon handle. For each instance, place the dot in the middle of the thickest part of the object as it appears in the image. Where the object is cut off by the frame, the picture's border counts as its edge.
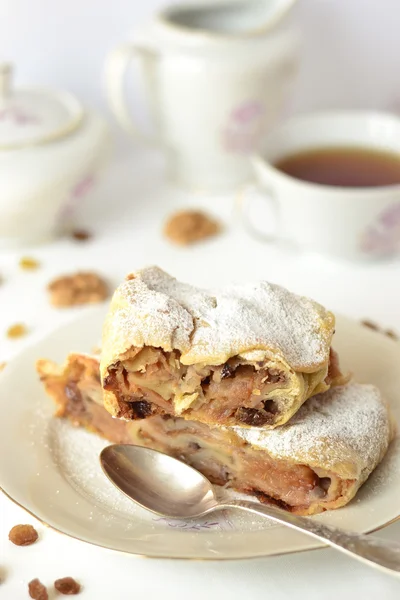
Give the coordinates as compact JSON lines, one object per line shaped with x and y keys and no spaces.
{"x":374,"y":552}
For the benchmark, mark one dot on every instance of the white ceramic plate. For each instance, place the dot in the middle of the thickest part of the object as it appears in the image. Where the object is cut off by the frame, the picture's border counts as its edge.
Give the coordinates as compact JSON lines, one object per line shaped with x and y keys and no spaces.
{"x":51,"y":469}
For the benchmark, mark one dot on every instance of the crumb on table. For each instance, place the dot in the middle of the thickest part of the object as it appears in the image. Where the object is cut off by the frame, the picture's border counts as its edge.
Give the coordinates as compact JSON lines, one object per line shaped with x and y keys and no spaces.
{"x":27,"y":263}
{"x":190,"y":226}
{"x":16,"y":331}
{"x":77,"y":288}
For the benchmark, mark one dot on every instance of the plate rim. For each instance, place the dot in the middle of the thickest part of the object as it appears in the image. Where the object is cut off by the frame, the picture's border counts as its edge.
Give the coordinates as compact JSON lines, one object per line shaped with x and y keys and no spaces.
{"x":316,"y":546}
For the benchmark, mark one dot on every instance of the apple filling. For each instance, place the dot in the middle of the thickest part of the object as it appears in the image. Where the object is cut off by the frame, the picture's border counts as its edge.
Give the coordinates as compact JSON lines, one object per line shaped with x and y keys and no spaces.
{"x":152,"y":382}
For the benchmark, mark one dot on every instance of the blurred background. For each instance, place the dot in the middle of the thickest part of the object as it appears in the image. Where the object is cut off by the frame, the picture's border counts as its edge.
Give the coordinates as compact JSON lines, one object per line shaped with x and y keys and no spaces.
{"x":349,"y":57}
{"x":349,"y":54}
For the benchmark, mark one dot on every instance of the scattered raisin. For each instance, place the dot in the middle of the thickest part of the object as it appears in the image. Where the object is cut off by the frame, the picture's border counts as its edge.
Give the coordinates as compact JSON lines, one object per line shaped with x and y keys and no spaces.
{"x":81,"y":235}
{"x":23,"y":535}
{"x":28,"y":264}
{"x":67,"y":586}
{"x":37,"y":590}
{"x":16,"y":331}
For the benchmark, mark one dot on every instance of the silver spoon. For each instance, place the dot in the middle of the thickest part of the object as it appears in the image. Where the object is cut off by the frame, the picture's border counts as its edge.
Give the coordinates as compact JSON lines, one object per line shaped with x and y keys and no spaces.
{"x":170,"y":488}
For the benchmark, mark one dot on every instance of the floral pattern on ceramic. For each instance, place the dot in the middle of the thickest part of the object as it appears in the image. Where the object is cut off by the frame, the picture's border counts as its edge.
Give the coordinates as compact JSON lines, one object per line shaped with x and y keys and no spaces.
{"x":244,"y":129}
{"x":18,"y":116}
{"x":383,"y":236}
{"x":222,"y":523}
{"x":78,"y":192}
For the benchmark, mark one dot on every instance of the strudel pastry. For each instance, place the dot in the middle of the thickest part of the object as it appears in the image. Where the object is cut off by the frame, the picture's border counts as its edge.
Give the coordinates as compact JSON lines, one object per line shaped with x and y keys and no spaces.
{"x":314,"y":463}
{"x":244,"y":355}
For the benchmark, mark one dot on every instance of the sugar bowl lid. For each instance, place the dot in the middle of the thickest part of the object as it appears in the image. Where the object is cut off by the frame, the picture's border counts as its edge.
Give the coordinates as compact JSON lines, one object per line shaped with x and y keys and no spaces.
{"x":31,"y":116}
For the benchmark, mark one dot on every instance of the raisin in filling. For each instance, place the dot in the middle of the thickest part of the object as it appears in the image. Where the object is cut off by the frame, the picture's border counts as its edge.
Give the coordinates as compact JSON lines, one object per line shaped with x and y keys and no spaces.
{"x":228,"y":390}
{"x":258,"y":418}
{"x":141,"y":409}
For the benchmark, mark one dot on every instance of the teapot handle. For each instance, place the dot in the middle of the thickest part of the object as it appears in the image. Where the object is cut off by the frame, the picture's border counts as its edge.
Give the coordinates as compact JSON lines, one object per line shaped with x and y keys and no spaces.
{"x":115,"y":70}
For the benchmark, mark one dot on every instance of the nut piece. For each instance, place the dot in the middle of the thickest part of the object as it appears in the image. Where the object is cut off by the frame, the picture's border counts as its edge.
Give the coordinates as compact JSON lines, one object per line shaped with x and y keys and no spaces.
{"x":37,"y":590}
{"x":28,"y":264}
{"x":16,"y":331}
{"x":79,"y":288}
{"x":189,"y":226}
{"x":67,"y":586}
{"x":23,"y":535}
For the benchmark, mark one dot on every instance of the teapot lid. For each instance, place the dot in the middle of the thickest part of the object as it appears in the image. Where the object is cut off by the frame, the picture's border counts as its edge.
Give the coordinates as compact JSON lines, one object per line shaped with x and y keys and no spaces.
{"x":34,"y":116}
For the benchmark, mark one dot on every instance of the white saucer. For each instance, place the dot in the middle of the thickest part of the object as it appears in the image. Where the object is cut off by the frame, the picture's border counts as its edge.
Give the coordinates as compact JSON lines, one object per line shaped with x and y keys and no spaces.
{"x":51,"y":469}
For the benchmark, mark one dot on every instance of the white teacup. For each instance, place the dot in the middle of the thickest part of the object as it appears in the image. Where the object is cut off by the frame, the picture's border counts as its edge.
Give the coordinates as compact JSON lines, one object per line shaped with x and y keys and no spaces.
{"x":349,"y":222}
{"x":216,"y":78}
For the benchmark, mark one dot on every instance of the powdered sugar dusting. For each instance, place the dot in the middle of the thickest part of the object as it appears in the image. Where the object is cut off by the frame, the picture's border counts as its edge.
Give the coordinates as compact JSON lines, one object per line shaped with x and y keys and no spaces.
{"x":76,"y":453}
{"x":347,"y":426}
{"x":154,"y":309}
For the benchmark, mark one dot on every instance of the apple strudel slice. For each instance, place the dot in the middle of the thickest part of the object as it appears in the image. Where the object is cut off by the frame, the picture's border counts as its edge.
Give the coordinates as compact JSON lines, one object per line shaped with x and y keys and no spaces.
{"x":314,"y":463}
{"x":245,"y":355}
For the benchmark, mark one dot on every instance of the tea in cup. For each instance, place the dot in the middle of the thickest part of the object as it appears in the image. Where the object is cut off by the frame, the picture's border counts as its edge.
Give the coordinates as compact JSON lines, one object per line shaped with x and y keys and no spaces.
{"x":333,"y":182}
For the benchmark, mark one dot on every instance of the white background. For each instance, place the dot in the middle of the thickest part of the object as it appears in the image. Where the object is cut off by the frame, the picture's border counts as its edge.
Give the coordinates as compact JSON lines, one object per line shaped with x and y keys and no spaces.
{"x":351,"y":58}
{"x":350,"y":51}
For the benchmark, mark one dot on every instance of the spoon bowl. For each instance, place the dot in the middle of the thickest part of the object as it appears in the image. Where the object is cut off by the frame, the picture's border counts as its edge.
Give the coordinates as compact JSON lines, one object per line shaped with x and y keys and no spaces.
{"x":157,"y":482}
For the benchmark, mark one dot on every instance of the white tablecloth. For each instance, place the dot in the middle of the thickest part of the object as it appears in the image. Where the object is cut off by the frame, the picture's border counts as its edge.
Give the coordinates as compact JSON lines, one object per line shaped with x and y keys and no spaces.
{"x":126,"y":216}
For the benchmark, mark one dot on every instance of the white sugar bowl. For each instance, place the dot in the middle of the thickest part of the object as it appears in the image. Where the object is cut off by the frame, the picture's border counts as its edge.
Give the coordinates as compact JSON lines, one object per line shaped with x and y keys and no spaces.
{"x":51,"y":152}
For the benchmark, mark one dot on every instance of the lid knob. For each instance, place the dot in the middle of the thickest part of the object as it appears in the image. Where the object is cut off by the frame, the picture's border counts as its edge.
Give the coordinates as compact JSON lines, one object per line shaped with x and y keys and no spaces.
{"x":5,"y":80}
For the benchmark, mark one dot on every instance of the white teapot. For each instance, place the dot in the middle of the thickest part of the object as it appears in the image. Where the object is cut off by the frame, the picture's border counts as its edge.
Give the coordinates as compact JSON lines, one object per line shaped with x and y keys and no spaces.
{"x":216,"y":79}
{"x":51,"y":151}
